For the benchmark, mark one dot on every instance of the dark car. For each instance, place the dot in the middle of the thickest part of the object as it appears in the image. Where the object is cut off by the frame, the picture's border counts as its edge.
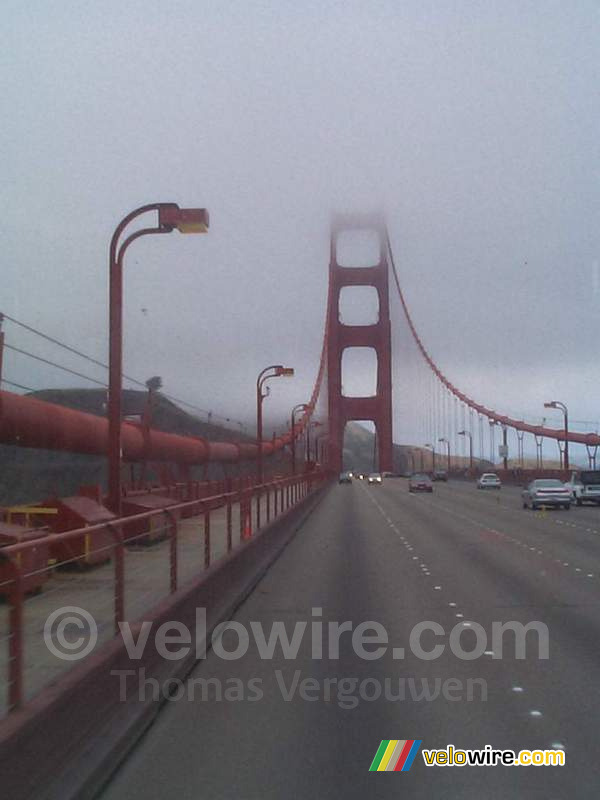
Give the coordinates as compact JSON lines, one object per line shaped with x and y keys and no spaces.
{"x":420,"y":483}
{"x":440,"y":475}
{"x":345,"y":477}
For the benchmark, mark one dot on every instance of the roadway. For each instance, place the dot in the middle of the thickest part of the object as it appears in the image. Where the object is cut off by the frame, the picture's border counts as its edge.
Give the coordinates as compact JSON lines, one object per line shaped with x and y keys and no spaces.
{"x":455,"y":557}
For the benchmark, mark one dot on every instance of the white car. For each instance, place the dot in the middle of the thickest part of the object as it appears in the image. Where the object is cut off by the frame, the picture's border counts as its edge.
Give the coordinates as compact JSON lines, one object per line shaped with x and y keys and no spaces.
{"x":584,"y":486}
{"x":375,"y":477}
{"x":489,"y":481}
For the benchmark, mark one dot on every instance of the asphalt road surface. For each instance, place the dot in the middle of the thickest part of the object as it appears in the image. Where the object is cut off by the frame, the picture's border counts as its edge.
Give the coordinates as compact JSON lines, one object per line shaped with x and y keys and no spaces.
{"x":459,"y":557}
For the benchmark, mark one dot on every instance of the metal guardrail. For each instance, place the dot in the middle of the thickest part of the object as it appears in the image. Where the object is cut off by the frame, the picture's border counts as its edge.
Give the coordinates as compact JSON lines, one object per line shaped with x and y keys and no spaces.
{"x":117,"y":592}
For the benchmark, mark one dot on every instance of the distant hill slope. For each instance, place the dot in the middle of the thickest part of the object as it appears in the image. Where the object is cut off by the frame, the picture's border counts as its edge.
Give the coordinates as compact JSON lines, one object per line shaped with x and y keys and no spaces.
{"x":359,"y":446}
{"x":166,"y":415}
{"x":28,"y":475}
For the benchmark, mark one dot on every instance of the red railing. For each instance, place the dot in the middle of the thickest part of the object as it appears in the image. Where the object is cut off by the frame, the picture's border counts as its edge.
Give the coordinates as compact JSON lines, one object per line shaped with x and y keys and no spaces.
{"x":248,"y":506}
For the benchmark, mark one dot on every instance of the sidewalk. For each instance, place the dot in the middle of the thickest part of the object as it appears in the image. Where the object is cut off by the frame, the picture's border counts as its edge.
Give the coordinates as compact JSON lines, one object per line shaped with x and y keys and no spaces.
{"x":147,"y":582}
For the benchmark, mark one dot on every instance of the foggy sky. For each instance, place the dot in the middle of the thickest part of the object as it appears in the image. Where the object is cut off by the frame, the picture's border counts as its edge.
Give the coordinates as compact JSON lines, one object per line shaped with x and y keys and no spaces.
{"x":474,"y":127}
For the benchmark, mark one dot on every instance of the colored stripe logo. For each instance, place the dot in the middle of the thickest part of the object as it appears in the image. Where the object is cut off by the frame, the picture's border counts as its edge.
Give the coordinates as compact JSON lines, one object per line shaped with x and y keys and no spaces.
{"x":395,"y":755}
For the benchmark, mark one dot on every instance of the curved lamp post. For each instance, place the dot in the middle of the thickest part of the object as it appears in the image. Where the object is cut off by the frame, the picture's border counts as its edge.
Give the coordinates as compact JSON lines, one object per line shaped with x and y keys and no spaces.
{"x":468,"y":433}
{"x":299,"y":407}
{"x":170,"y":217}
{"x":432,"y":448}
{"x":314,"y":424}
{"x":443,"y":439}
{"x":273,"y":371}
{"x":563,"y":408}
{"x":320,"y":456}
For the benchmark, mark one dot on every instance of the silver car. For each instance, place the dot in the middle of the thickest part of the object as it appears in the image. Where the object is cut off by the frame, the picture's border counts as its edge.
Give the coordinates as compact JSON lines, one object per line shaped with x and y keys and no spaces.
{"x":489,"y":480}
{"x":546,"y":492}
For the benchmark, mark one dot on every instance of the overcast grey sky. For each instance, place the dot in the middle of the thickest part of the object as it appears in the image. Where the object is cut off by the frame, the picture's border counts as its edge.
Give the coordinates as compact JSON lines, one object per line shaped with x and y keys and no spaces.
{"x":474,"y":126}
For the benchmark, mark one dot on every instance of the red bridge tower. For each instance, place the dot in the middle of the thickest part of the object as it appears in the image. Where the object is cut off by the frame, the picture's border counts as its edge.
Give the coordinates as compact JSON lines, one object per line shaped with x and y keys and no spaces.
{"x":378,"y":408}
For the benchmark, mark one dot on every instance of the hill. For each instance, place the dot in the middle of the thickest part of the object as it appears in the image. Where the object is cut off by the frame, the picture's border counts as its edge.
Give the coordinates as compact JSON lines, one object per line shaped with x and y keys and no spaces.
{"x":28,"y":475}
{"x":359,"y":446}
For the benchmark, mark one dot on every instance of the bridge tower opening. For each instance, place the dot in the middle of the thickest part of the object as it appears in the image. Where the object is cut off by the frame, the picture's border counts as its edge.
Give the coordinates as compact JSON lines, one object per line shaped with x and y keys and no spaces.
{"x":376,"y":408}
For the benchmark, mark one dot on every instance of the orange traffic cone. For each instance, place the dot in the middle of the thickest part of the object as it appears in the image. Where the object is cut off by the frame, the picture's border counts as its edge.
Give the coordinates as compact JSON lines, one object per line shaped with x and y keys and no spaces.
{"x":247,"y":526}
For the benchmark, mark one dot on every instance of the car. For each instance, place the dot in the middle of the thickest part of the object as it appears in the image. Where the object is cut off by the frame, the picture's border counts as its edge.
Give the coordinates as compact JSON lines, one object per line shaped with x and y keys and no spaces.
{"x":546,"y":492}
{"x":360,"y":476}
{"x":439,"y":475}
{"x":420,"y":483}
{"x":345,"y":477}
{"x":584,"y":486}
{"x":375,"y":478}
{"x":489,"y":480}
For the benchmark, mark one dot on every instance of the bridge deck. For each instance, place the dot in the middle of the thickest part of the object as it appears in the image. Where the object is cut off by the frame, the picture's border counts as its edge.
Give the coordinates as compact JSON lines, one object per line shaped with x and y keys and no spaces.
{"x":382,"y":554}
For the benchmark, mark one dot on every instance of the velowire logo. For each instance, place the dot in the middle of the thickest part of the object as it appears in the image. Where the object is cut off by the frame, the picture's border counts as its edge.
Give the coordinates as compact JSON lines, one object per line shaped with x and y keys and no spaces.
{"x":395,"y":755}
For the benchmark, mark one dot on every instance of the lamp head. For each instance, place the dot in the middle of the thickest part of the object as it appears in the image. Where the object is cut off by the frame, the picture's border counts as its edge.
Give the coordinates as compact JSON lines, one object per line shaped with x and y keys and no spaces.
{"x":186,"y":220}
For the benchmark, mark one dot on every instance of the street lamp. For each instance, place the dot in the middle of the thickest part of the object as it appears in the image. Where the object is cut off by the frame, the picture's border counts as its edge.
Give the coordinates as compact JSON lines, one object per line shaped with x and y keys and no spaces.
{"x":563,"y":408}
{"x":443,"y":439}
{"x":310,"y":425}
{"x":432,"y":456}
{"x":170,"y":216}
{"x":318,"y":437}
{"x":468,"y":433}
{"x":274,"y":371}
{"x":299,"y":407}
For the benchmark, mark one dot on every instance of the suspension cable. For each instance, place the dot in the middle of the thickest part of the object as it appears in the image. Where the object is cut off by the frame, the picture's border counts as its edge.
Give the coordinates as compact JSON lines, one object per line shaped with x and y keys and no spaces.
{"x":538,"y":430}
{"x":98,"y":363}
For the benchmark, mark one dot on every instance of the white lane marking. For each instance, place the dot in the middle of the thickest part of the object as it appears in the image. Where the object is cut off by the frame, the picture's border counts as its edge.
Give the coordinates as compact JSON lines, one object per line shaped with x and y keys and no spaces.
{"x":506,"y":536}
{"x":514,"y":511}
